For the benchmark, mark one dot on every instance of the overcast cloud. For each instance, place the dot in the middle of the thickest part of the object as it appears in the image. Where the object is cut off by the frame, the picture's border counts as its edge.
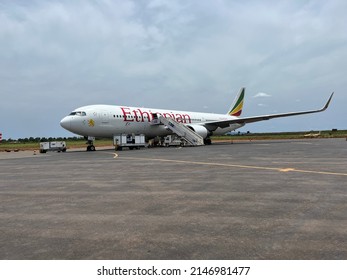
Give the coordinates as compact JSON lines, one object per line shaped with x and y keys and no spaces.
{"x":190,"y":55}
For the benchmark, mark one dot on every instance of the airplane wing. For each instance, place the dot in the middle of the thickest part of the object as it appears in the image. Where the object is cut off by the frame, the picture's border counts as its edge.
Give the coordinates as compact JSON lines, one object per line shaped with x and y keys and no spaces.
{"x":225,"y":123}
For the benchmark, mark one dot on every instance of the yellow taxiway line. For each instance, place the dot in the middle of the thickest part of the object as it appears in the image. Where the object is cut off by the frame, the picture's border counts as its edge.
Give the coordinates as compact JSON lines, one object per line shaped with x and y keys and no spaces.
{"x":238,"y":166}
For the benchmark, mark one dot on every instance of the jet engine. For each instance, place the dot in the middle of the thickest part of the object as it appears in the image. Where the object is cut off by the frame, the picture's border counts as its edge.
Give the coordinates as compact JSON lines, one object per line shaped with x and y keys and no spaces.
{"x":199,"y":129}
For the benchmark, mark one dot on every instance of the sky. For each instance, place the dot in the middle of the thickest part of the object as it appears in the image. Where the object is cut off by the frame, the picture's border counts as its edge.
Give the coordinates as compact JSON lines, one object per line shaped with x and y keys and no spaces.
{"x":194,"y":55}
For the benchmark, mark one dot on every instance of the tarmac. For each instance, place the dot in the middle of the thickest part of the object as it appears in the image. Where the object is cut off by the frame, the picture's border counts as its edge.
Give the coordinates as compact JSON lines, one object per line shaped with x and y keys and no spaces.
{"x":249,"y":200}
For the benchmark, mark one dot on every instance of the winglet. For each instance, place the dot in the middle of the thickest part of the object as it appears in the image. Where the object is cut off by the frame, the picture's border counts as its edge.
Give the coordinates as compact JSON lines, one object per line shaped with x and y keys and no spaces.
{"x":328,"y":102}
{"x":236,"y":106}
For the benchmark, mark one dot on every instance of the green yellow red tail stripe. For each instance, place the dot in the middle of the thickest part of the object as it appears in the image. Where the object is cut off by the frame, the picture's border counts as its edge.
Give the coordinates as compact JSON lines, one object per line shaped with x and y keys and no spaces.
{"x":236,"y":108}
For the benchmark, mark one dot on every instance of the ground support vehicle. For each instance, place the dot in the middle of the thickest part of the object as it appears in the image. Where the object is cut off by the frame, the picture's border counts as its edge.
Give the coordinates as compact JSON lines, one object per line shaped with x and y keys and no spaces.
{"x":132,"y":141}
{"x":59,"y":146}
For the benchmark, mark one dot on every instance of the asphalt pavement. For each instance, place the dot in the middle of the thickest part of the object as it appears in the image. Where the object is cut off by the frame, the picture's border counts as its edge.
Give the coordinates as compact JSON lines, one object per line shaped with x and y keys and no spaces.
{"x":243,"y":200}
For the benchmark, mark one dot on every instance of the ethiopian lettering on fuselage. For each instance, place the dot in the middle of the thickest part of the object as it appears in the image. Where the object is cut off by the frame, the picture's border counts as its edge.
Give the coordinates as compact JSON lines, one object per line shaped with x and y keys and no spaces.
{"x":138,"y":115}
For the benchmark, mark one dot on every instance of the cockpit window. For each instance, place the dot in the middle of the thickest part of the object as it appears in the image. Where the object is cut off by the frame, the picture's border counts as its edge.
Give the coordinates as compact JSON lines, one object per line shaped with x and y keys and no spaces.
{"x":78,"y":113}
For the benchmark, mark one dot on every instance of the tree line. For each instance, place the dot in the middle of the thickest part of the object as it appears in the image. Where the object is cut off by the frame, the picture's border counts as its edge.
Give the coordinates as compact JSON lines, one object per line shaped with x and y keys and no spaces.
{"x":41,"y":139}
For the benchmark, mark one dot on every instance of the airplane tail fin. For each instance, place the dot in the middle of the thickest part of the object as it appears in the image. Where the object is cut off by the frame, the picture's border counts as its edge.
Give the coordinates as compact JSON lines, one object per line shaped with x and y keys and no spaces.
{"x":236,"y":106}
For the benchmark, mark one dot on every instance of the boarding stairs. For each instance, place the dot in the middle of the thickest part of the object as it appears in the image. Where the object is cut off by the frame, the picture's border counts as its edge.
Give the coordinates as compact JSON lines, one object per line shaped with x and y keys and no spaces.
{"x":183,"y":131}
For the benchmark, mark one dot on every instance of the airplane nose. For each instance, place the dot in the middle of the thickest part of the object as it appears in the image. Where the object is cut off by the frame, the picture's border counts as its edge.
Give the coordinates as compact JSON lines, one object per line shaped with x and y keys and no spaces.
{"x":66,"y":123}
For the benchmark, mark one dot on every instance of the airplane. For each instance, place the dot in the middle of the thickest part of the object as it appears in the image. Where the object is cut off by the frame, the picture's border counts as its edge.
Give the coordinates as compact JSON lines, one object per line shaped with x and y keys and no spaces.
{"x":313,"y":135}
{"x":110,"y":120}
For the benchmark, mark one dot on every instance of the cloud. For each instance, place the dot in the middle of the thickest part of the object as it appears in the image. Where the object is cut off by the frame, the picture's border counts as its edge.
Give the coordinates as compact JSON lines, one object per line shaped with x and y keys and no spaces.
{"x":59,"y":55}
{"x":261,"y":94}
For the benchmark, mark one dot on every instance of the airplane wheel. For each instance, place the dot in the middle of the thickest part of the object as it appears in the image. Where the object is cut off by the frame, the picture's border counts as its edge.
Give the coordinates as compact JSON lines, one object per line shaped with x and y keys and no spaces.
{"x":92,"y":148}
{"x":207,"y":142}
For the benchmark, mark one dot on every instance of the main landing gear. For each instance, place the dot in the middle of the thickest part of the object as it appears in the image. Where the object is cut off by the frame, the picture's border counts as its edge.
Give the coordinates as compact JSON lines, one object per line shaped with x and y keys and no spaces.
{"x":90,"y":142}
{"x":207,"y":141}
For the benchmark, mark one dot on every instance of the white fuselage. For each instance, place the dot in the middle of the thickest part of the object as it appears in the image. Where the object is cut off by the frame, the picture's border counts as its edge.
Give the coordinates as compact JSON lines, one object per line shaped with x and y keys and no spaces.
{"x":110,"y":120}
